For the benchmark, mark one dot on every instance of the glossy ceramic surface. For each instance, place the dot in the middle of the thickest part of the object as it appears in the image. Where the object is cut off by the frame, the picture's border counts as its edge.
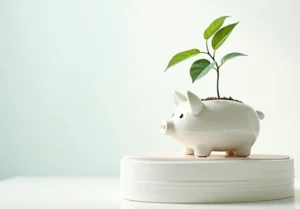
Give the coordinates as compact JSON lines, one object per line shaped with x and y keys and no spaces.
{"x":216,"y":125}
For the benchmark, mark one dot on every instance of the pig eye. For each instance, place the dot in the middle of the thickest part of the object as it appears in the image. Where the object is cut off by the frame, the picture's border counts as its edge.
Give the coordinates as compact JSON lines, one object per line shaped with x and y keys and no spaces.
{"x":181,"y":115}
{"x":172,"y":115}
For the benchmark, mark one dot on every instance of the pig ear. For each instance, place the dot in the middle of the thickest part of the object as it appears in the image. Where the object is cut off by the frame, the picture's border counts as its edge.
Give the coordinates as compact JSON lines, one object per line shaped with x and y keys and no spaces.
{"x":178,"y":98}
{"x":195,"y":103}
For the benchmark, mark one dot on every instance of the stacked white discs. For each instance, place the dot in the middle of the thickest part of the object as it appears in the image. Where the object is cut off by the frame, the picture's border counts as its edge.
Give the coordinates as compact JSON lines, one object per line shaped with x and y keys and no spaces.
{"x":177,"y":178}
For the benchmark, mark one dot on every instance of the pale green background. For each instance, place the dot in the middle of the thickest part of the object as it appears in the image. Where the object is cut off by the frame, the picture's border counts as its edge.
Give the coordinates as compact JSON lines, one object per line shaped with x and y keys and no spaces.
{"x":82,"y":82}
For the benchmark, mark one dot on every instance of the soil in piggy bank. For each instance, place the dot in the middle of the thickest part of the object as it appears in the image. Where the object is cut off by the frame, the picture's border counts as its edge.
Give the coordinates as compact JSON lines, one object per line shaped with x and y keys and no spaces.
{"x":222,"y":98}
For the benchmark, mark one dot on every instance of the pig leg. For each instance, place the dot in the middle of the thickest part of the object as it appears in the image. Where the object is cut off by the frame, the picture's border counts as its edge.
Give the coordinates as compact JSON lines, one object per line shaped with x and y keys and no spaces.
{"x":202,"y":150}
{"x":243,"y":152}
{"x":188,"y":151}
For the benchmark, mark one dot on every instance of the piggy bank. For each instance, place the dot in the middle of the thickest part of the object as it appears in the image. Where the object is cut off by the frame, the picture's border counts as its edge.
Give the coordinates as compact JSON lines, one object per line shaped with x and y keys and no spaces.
{"x":213,"y":125}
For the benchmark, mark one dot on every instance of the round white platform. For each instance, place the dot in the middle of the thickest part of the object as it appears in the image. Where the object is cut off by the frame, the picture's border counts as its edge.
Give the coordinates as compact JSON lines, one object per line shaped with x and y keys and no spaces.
{"x":179,"y":178}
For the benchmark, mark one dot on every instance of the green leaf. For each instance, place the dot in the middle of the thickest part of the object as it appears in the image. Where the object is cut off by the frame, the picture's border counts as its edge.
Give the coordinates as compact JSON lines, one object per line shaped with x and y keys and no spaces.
{"x":231,"y":56}
{"x":221,"y":36}
{"x":214,"y":27}
{"x":200,"y":68}
{"x":182,"y":56}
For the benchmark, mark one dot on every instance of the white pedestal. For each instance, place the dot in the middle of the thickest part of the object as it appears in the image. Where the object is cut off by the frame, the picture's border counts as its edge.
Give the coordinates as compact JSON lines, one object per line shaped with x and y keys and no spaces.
{"x":179,"y":178}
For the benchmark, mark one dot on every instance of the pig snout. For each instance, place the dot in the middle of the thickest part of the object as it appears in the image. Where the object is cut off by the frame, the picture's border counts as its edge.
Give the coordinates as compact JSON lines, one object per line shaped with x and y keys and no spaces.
{"x":167,"y":128}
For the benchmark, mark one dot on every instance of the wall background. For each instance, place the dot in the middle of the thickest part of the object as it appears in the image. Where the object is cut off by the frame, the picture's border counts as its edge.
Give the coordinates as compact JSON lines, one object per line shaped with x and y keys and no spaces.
{"x":82,"y":82}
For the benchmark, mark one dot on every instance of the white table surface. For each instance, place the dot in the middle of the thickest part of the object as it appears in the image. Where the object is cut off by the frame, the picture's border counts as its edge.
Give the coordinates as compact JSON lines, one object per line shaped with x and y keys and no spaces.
{"x":100,"y":193}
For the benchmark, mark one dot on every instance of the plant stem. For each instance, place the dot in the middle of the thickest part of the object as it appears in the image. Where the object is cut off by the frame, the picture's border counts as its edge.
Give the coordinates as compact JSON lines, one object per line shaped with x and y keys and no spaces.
{"x":217,"y":69}
{"x":207,"y":48}
{"x":218,"y":76}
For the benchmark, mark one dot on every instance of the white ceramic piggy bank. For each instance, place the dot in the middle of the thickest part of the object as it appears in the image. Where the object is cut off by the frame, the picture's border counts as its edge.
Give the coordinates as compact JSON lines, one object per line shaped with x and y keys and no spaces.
{"x":213,"y":125}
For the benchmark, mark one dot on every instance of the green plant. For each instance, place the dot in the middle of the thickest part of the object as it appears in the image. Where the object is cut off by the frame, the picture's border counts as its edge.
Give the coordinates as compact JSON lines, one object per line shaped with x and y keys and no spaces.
{"x":202,"y":66}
